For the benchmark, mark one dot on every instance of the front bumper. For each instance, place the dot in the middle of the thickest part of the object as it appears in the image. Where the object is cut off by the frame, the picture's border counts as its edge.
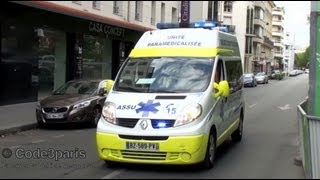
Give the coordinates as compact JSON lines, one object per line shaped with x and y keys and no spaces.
{"x":81,"y":115}
{"x":174,"y":150}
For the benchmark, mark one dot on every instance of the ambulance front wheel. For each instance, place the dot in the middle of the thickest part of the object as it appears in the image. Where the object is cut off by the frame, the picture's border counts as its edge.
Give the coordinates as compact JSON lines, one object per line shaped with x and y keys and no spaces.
{"x":211,"y":152}
{"x":111,"y":164}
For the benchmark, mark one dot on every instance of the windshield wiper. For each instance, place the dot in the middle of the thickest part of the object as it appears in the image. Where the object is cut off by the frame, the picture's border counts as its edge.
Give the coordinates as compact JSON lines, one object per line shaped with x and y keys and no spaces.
{"x":130,"y":89}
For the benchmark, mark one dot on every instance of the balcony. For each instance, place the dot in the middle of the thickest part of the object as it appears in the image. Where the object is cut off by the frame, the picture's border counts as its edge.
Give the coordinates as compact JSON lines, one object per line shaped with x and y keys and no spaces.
{"x":279,"y":13}
{"x":260,"y":22}
{"x":257,"y":39}
{"x":268,"y":42}
{"x":277,"y":23}
{"x":276,"y":33}
{"x":278,"y":54}
{"x":259,"y":4}
{"x":278,"y":44}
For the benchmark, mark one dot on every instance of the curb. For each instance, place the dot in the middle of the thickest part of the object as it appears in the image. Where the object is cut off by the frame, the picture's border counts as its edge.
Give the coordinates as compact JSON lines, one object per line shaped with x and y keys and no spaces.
{"x":18,"y":128}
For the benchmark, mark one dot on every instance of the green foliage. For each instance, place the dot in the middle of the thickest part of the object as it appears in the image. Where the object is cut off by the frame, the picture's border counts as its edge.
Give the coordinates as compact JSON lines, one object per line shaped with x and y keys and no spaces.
{"x":302,"y":59}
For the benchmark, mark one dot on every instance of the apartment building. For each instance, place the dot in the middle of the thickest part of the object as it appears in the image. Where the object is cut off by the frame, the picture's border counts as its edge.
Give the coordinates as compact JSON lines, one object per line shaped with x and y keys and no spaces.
{"x":277,"y":34}
{"x":289,"y":51}
{"x":252,"y":24}
{"x":262,"y":43}
{"x":47,"y":43}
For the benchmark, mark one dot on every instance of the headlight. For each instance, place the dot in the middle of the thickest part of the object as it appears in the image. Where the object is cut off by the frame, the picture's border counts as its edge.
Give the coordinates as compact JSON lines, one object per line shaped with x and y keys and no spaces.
{"x":109,"y":112}
{"x":81,"y":105}
{"x":188,"y":114}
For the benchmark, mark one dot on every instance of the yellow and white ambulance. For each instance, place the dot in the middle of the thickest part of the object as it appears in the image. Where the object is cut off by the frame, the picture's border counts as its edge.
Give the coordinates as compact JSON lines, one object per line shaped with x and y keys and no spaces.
{"x":176,"y":98}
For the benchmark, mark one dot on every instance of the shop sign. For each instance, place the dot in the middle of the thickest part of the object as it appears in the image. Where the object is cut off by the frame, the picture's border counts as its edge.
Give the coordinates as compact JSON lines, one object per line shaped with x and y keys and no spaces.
{"x":106,"y":29}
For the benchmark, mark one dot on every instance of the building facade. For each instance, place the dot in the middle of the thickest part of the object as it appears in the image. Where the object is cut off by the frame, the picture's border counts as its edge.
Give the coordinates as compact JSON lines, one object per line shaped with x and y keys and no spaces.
{"x":289,"y":51}
{"x":47,"y":43}
{"x":277,"y":34}
{"x":262,"y":43}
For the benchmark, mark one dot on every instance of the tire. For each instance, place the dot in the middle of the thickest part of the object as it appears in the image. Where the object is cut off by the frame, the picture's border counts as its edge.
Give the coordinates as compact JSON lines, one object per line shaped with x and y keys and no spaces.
{"x":208,"y":161}
{"x":236,"y":136}
{"x":96,"y":116}
{"x":41,"y":124}
{"x":111,"y":164}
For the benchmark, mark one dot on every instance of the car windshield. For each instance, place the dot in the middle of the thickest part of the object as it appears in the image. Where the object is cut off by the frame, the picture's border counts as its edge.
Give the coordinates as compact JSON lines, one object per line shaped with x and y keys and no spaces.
{"x":165,"y":74}
{"x":77,"y":87}
{"x":247,"y":76}
{"x":260,"y":74}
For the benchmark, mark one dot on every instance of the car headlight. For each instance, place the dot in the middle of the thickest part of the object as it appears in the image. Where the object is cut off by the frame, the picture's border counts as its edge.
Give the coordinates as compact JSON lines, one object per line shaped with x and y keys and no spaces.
{"x":109,"y":112}
{"x":188,"y":114}
{"x":81,"y":105}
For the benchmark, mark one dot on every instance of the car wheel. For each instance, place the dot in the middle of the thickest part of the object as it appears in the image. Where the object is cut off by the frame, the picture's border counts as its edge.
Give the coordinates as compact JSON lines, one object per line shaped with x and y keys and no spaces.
{"x":208,"y":161}
{"x":236,"y":136}
{"x":41,"y":124}
{"x":111,"y":164}
{"x":96,"y":116}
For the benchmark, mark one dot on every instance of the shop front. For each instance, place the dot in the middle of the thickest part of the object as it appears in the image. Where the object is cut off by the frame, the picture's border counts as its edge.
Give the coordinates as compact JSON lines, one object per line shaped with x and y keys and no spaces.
{"x":41,"y":50}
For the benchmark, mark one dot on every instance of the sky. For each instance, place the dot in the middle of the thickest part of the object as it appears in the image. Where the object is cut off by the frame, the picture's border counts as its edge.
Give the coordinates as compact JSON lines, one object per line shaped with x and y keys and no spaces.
{"x":295,"y":20}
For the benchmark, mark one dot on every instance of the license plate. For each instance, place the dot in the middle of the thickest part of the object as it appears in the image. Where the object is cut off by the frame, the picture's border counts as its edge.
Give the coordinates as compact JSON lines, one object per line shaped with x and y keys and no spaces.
{"x":55,"y":116}
{"x":142,"y":146}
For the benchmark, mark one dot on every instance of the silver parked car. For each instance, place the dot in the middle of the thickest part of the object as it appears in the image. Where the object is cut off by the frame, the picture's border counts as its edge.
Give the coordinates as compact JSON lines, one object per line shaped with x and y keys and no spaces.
{"x":261,"y":77}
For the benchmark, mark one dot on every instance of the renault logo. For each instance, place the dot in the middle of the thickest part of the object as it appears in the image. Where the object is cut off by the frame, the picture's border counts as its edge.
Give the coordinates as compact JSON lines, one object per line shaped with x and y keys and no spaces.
{"x":55,"y":109}
{"x":144,"y":124}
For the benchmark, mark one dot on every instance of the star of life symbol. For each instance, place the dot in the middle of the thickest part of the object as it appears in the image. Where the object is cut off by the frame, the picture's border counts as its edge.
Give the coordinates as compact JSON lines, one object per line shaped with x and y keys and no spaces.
{"x":147,"y":107}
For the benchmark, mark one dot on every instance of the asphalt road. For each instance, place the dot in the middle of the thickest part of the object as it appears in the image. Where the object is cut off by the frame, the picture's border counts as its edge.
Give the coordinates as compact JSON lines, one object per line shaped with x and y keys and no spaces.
{"x":267,"y":150}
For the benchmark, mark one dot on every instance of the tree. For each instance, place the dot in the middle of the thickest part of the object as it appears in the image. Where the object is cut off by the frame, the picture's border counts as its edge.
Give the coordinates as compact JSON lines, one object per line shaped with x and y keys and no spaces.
{"x":302,"y":59}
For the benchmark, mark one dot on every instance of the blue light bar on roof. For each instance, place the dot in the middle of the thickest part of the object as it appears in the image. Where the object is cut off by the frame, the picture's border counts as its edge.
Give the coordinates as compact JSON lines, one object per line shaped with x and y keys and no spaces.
{"x":204,"y":24}
{"x":201,"y":24}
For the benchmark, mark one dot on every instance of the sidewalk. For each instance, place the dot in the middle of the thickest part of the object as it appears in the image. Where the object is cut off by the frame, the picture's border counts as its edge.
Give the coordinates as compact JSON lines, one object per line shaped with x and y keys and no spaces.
{"x":17,"y":117}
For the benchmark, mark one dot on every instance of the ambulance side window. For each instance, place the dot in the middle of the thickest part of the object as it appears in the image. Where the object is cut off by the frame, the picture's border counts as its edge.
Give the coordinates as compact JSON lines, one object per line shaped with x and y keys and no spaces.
{"x":234,"y":72}
{"x":219,"y":76}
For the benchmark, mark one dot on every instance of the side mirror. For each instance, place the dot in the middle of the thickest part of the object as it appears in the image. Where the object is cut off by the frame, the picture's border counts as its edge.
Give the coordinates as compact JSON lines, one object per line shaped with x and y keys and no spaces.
{"x":101,"y":92}
{"x":223,"y":89}
{"x":109,"y":85}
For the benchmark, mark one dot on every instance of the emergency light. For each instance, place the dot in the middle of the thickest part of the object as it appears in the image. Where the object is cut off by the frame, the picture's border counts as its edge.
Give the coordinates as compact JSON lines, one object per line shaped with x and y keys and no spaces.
{"x":201,"y":24}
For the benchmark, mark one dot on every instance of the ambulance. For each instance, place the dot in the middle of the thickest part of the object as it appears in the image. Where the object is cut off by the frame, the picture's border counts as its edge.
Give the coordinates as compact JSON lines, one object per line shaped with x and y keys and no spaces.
{"x":177,"y":97}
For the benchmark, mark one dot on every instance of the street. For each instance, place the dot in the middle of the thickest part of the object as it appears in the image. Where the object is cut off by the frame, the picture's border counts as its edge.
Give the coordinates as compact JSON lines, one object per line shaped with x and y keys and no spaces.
{"x":267,"y":149}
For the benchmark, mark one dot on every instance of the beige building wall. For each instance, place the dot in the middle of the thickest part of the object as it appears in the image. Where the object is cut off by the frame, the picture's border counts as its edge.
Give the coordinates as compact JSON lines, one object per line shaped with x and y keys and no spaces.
{"x":107,"y":9}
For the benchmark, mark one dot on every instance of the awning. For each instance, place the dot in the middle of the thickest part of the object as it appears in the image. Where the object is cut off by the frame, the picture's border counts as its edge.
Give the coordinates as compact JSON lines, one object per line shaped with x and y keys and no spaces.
{"x":49,"y":6}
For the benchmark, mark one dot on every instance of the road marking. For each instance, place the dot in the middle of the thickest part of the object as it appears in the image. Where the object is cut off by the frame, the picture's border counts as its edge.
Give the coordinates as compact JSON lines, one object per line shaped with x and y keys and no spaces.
{"x":285,"y":107}
{"x":39,"y":141}
{"x":251,"y":106}
{"x":113,"y":174}
{"x":58,"y":136}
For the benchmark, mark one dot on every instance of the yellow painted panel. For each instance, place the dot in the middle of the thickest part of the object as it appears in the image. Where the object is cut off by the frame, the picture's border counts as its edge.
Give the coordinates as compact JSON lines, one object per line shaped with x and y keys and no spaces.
{"x":184,"y":52}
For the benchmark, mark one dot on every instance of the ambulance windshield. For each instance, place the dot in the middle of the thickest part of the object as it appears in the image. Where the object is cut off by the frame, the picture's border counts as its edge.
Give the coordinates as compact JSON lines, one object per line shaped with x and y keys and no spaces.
{"x":165,"y":75}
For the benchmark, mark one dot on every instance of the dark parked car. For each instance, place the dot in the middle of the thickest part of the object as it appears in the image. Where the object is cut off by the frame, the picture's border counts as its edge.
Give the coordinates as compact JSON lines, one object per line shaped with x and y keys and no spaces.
{"x":261,"y":77}
{"x":75,"y":101}
{"x":249,"y":80}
